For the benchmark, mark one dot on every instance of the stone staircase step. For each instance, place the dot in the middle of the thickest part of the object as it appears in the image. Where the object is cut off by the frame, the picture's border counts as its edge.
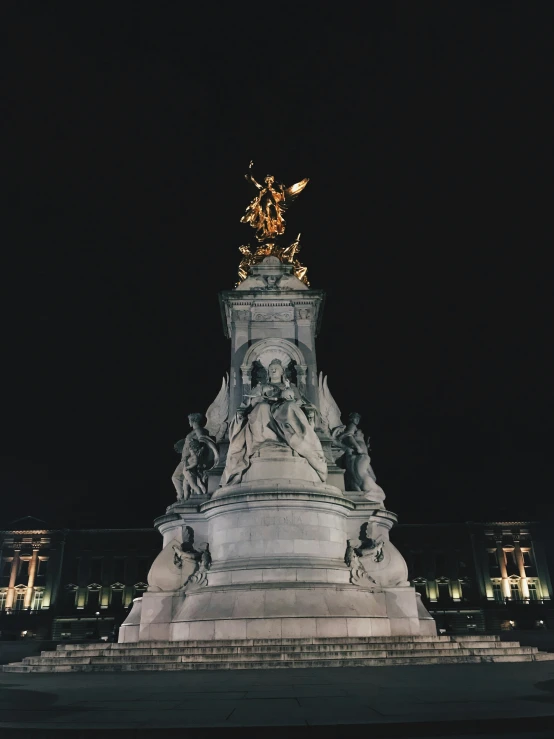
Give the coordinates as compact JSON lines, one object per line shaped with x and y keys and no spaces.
{"x":308,"y":648}
{"x":273,"y":664}
{"x":296,"y":640}
{"x":146,"y":649}
{"x":258,"y":656}
{"x":272,"y":653}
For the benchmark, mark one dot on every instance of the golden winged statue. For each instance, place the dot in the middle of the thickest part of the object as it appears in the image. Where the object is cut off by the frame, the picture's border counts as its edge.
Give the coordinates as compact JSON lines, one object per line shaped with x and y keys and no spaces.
{"x":265,"y":212}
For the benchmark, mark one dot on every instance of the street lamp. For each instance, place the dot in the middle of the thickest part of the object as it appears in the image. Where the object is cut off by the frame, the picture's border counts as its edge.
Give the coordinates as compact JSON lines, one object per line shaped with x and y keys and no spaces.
{"x":96,"y":630}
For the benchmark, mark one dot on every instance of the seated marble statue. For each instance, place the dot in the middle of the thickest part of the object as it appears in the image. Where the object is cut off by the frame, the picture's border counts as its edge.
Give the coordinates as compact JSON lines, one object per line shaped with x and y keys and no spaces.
{"x":274,"y":415}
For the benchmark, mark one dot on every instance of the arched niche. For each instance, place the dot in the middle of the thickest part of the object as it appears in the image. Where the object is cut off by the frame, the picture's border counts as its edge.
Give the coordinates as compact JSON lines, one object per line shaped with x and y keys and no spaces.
{"x":265,"y":351}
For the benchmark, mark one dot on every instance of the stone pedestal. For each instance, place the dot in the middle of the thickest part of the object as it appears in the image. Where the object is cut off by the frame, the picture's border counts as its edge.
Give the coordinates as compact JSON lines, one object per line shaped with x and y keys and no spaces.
{"x":278,"y":570}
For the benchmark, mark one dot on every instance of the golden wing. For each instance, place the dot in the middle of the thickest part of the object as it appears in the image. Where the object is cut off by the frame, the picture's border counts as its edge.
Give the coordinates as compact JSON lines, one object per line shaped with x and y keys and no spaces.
{"x":294,"y":191}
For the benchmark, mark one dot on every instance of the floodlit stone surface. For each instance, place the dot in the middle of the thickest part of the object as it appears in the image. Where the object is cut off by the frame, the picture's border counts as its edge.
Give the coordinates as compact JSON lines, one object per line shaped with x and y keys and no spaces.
{"x":213,"y":651}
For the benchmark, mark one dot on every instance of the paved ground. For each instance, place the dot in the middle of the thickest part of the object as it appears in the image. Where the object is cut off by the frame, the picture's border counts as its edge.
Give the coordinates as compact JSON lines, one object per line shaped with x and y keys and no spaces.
{"x":511,"y":699}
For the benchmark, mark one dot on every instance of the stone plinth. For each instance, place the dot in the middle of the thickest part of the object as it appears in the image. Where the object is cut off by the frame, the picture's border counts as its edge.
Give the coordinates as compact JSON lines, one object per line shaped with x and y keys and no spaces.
{"x":278,"y":570}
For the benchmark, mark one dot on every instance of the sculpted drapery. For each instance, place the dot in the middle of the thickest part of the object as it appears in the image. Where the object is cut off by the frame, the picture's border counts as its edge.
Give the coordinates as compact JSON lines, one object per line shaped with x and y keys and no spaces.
{"x":274,"y":415}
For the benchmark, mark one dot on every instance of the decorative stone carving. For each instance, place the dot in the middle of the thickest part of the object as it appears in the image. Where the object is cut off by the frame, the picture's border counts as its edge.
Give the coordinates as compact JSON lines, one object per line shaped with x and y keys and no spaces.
{"x":199,"y":577}
{"x":358,"y":574}
{"x":180,"y":565}
{"x":242,"y":315}
{"x":199,"y":454}
{"x":330,"y":412}
{"x":356,"y":460}
{"x":267,"y":350}
{"x":380,"y":558}
{"x":217,"y":415}
{"x":304,"y":313}
{"x":273,"y":417}
{"x":276,"y":316}
{"x":172,"y":568}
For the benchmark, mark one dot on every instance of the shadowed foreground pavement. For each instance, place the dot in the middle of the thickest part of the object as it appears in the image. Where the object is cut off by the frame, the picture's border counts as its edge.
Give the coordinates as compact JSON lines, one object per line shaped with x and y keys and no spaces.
{"x":511,"y":699}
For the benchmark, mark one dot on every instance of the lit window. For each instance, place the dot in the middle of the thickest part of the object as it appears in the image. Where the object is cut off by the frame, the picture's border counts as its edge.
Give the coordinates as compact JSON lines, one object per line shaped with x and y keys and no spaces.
{"x":515,"y":591}
{"x":497,"y":591}
{"x":36,"y":604}
{"x":533,"y":591}
{"x":3,"y":595}
{"x":19,"y":600}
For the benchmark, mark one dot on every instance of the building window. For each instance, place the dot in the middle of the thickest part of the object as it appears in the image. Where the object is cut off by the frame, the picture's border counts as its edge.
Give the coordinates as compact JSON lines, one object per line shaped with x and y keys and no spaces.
{"x":70,"y":595}
{"x":533,"y":591}
{"x":467,"y":591}
{"x":493,"y":562}
{"x":93,"y":600}
{"x":3,"y":596}
{"x":23,"y":573}
{"x":441,"y":565}
{"x":96,"y":569}
{"x":36,"y":604}
{"x":117,"y":600}
{"x":497,"y":592}
{"x":515,"y":591}
{"x":6,"y":571}
{"x":42,"y":566}
{"x":511,"y":563}
{"x":143,"y":567}
{"x":19,"y":600}
{"x":420,"y":584}
{"x":119,"y":569}
{"x":444,"y":592}
{"x":73,"y":571}
{"x":527,"y":559}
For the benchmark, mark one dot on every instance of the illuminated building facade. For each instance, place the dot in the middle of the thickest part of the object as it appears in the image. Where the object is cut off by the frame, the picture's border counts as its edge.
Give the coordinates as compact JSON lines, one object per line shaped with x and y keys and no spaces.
{"x":79,"y":584}
{"x":481,"y":576}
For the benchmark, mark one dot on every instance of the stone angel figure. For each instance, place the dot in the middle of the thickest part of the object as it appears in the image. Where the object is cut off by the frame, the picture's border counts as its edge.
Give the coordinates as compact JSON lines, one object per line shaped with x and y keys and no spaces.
{"x":329,"y":410}
{"x":265,"y":212}
{"x":217,"y":415}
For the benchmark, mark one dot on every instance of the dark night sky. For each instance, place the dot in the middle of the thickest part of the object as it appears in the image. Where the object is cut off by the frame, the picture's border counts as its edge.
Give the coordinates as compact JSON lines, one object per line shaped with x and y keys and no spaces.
{"x":425,"y":128}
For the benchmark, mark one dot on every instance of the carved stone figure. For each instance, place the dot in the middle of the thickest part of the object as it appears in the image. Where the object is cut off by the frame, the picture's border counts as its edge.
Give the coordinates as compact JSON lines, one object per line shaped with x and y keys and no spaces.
{"x":199,"y":454}
{"x":357,"y":462}
{"x":273,"y":415}
{"x":380,"y":558}
{"x":330,"y":412}
{"x":217,"y":415}
{"x":172,"y":567}
{"x":199,"y":577}
{"x":358,"y":574}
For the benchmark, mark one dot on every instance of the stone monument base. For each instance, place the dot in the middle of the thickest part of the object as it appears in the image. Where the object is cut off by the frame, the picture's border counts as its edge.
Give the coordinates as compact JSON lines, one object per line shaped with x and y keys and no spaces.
{"x":265,"y":612}
{"x":289,"y":558}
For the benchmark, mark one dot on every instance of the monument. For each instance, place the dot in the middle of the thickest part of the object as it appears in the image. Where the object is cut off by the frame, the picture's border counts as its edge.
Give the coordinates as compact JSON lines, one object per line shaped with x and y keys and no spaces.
{"x":279,"y":529}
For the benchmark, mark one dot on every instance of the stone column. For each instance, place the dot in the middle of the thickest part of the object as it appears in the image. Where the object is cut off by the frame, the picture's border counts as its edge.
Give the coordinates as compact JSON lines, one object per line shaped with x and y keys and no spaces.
{"x":31,"y":579}
{"x":503,"y":571}
{"x":13,"y":575}
{"x":521,"y":567}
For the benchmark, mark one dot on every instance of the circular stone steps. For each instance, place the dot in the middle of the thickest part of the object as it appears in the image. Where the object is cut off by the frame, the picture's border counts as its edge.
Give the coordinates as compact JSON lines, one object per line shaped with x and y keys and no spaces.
{"x":239,"y":654}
